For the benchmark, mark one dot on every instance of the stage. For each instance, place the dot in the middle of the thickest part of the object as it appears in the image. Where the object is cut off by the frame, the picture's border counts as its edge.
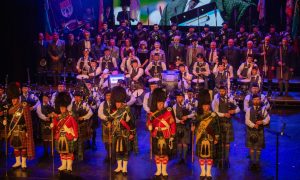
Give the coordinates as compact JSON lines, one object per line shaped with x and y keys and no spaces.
{"x":141,"y":167}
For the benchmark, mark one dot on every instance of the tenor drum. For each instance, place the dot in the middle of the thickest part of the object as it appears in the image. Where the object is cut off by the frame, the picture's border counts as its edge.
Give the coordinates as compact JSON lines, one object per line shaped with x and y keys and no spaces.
{"x":197,"y":84}
{"x":170,"y":79}
{"x":82,"y":77}
{"x":244,"y":84}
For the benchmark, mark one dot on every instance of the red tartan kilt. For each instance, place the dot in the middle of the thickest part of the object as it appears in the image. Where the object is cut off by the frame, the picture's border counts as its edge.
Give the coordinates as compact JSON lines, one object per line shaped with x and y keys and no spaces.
{"x":18,"y":140}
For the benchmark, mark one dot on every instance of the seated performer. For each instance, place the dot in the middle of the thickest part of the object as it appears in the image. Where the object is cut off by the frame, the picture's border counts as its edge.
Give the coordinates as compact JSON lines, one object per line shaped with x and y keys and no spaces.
{"x":207,"y":136}
{"x":20,"y":130}
{"x":185,"y":78}
{"x":244,"y":71}
{"x":255,"y":77}
{"x":108,"y":61}
{"x":103,"y":114}
{"x":201,"y":69}
{"x":255,"y":90}
{"x":256,"y":118}
{"x":225,"y":107}
{"x":227,"y":67}
{"x":83,"y":64}
{"x":162,"y":127}
{"x":81,"y":112}
{"x":155,"y":67}
{"x":126,"y":62}
{"x":135,"y":73}
{"x":182,"y":115}
{"x":123,"y":129}
{"x":65,"y":132}
{"x":44,"y":111}
{"x":222,"y":77}
{"x":94,"y":71}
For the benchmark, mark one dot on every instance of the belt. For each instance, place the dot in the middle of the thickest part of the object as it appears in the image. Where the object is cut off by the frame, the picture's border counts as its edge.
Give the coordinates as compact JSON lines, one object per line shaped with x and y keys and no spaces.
{"x":161,"y":129}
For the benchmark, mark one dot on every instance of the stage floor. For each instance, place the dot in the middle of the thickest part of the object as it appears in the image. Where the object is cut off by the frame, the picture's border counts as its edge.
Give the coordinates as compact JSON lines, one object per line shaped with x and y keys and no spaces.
{"x":141,"y":167}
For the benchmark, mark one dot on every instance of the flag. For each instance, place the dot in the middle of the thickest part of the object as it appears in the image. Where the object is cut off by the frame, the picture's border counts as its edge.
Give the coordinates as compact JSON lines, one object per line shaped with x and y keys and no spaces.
{"x":47,"y":25}
{"x":134,"y":9}
{"x":100,"y":19}
{"x":296,"y":19}
{"x":261,"y":8}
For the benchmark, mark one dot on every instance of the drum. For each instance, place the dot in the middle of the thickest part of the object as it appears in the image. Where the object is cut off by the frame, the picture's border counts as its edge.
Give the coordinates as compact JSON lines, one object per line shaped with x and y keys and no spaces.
{"x":114,"y":79}
{"x":82,"y":77}
{"x":244,"y":84}
{"x":170,"y":79}
{"x":197,"y":84}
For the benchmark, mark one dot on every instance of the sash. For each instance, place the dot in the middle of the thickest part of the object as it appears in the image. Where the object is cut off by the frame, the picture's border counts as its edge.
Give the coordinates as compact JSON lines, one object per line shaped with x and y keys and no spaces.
{"x":15,"y":120}
{"x":203,"y":125}
{"x":61,"y":124}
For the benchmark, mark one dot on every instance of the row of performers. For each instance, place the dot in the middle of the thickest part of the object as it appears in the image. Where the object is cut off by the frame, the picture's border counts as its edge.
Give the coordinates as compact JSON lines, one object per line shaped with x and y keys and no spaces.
{"x":200,"y":73}
{"x":170,"y":125}
{"x":205,"y":37}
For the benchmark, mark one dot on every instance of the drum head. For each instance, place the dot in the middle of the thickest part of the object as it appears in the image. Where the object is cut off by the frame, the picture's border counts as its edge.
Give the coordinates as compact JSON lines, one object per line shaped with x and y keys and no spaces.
{"x":198,"y":81}
{"x":244,"y":80}
{"x":82,"y":76}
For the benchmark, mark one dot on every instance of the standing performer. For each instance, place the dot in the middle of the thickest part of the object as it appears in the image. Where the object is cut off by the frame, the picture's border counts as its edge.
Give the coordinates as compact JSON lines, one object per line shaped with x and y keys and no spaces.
{"x":206,"y":36}
{"x":175,"y":50}
{"x":103,"y":114}
{"x":44,"y":111}
{"x":20,"y":127}
{"x":255,"y":91}
{"x":156,"y":67}
{"x":123,"y":128}
{"x":207,"y":135}
{"x":225,"y":106}
{"x":162,"y":127}
{"x":65,"y":132}
{"x":192,"y":51}
{"x":285,"y":66}
{"x":201,"y":69}
{"x":256,"y":118}
{"x":182,"y":115}
{"x":82,"y":112}
{"x":148,"y":96}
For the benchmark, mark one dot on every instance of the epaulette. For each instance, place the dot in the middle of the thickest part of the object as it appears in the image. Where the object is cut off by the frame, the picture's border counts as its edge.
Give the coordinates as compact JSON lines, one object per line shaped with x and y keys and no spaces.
{"x":169,"y":109}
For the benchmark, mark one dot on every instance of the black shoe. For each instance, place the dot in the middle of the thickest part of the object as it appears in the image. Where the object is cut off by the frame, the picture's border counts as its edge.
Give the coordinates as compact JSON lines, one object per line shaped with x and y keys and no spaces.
{"x":124,"y":173}
{"x":24,"y":168}
{"x":17,"y":167}
{"x":208,"y":177}
{"x":80,"y":157}
{"x":202,"y":177}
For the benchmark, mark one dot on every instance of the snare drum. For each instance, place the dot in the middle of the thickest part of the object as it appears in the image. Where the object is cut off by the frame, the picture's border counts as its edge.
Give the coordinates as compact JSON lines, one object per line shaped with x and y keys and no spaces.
{"x":170,"y":79}
{"x":244,"y":84}
{"x":82,"y":77}
{"x":197,"y":84}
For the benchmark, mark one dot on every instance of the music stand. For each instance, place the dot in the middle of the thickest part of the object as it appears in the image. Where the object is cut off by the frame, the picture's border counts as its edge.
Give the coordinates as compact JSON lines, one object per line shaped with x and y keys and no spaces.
{"x":278,"y":133}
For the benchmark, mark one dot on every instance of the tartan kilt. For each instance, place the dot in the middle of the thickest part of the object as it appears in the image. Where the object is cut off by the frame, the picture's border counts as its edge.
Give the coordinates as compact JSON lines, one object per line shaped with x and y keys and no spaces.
{"x":204,"y":151}
{"x":183,"y":134}
{"x":65,"y":148}
{"x":46,"y":131}
{"x":18,"y":139}
{"x":121,"y":142}
{"x":156,"y":144}
{"x":255,"y":138}
{"x":83,"y":131}
{"x":105,"y":134}
{"x":226,"y":128}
